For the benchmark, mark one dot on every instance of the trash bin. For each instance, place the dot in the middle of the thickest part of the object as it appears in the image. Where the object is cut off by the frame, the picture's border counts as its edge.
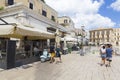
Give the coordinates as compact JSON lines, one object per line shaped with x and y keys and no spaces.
{"x":69,"y":50}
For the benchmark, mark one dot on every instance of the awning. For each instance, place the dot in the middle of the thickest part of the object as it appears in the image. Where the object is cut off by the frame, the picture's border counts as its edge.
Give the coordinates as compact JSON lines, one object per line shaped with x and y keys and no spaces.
{"x":69,"y":39}
{"x":91,"y":43}
{"x":20,"y":31}
{"x":107,"y":43}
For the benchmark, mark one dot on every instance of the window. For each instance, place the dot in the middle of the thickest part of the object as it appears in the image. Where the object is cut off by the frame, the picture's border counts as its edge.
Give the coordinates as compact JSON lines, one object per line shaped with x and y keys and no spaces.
{"x":98,"y":33}
{"x":102,"y":32}
{"x":53,"y":18}
{"x":31,"y":6}
{"x":65,"y":21}
{"x":69,"y":21}
{"x":108,"y":32}
{"x":10,"y":2}
{"x":44,"y":13}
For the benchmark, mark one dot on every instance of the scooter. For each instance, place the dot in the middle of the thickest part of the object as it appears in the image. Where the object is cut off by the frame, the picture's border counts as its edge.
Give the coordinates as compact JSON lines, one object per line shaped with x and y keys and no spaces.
{"x":45,"y":56}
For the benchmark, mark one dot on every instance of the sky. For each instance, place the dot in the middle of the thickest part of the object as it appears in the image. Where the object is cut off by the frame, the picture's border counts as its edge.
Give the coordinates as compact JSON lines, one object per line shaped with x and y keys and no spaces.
{"x":92,"y":14}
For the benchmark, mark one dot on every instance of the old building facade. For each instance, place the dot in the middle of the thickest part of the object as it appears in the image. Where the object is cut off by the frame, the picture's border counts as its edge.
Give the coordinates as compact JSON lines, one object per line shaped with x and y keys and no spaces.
{"x":116,"y":37}
{"x":101,"y":36}
{"x":31,"y":13}
{"x":36,"y":5}
{"x":68,"y":23}
{"x":31,"y":23}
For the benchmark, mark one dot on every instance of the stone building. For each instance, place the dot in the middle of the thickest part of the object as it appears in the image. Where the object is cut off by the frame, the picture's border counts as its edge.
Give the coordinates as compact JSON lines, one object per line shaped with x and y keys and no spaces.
{"x":36,"y":5}
{"x":30,"y":22}
{"x":116,"y":37}
{"x":105,"y":35}
{"x":31,"y":13}
{"x":68,"y":23}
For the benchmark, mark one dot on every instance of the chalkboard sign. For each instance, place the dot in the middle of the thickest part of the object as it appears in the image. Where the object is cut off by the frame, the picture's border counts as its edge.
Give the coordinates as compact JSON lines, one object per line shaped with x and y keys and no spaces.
{"x":11,"y":50}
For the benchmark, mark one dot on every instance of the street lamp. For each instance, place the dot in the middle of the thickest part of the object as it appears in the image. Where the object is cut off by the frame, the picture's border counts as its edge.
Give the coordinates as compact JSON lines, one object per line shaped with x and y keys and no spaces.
{"x":82,"y":46}
{"x":82,"y":34}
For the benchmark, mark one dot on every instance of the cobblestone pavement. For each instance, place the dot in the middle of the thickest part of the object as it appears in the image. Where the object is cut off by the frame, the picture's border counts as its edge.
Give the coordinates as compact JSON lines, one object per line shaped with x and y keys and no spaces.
{"x":73,"y":67}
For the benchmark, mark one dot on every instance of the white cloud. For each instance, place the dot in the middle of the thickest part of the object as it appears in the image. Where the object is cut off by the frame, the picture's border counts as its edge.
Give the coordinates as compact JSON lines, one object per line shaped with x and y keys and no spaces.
{"x":93,"y":21}
{"x":83,"y":12}
{"x":116,"y":5}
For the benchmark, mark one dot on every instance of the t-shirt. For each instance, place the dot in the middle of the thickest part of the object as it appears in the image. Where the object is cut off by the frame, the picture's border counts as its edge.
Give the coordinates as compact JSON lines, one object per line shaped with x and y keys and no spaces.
{"x":103,"y":51}
{"x":109,"y":52}
{"x":58,"y":50}
{"x":52,"y":49}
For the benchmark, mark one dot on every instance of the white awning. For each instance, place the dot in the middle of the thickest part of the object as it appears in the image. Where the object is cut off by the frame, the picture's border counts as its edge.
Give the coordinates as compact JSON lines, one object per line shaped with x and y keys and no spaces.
{"x":20,"y":31}
{"x":107,"y":43}
{"x":68,"y":39}
{"x":91,"y":43}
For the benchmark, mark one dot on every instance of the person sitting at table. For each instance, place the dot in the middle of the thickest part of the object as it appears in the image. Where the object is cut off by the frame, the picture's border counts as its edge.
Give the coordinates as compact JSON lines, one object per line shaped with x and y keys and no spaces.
{"x":36,"y":51}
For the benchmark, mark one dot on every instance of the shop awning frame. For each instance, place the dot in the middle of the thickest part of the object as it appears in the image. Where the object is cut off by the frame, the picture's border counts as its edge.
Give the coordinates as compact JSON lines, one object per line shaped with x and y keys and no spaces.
{"x":20,"y":31}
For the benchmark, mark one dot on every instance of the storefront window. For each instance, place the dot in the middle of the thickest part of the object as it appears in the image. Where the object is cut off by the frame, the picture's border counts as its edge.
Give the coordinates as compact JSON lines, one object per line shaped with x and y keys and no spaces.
{"x":24,"y":51}
{"x":2,"y":53}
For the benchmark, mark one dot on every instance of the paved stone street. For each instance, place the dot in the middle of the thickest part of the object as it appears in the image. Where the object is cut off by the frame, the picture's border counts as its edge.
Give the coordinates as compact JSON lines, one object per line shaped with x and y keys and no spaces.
{"x":73,"y":67}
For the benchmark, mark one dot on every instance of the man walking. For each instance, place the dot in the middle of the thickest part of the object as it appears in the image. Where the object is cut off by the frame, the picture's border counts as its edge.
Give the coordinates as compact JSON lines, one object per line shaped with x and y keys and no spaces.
{"x":109,"y":52}
{"x":58,"y":50}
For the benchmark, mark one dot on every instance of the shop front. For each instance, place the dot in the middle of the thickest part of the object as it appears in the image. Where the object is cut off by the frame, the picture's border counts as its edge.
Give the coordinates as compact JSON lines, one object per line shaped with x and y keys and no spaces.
{"x":20,"y":50}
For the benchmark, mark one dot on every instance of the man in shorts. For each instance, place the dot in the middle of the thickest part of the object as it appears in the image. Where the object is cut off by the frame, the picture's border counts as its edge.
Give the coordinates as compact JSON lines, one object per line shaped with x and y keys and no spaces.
{"x":58,"y":50}
{"x":109,"y":52}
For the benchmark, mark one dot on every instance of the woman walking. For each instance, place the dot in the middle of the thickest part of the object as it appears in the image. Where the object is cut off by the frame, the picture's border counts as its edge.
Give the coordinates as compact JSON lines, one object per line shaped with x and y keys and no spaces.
{"x":103,"y":55}
{"x":52,"y":52}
